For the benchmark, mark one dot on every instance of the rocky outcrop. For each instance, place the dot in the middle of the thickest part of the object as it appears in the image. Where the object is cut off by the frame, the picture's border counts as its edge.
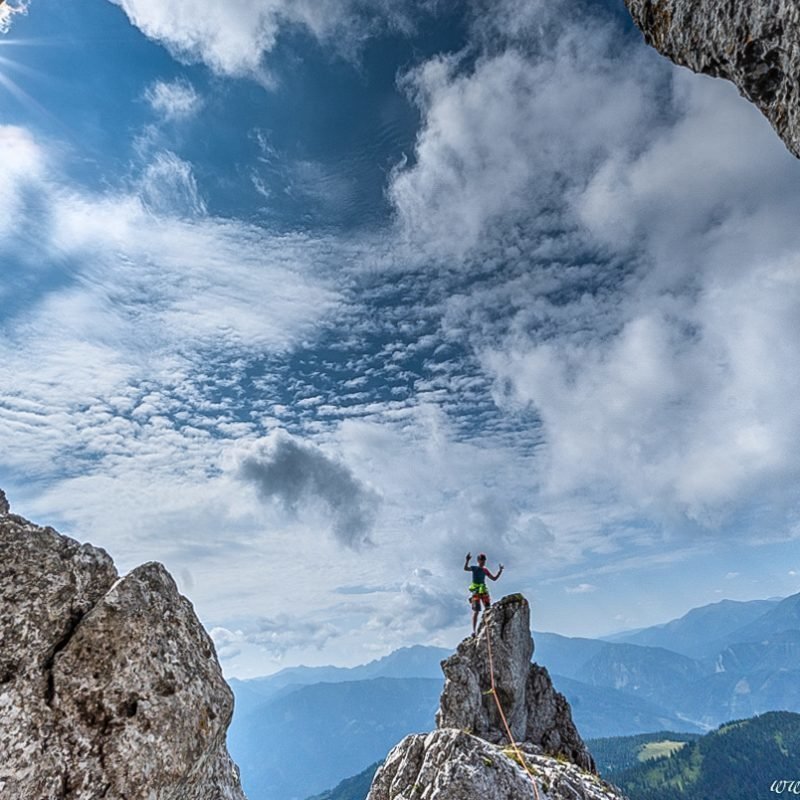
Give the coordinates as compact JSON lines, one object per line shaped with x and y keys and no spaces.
{"x":755,"y":44}
{"x":535,"y":712}
{"x":470,"y":755}
{"x":109,"y":687}
{"x":449,"y":764}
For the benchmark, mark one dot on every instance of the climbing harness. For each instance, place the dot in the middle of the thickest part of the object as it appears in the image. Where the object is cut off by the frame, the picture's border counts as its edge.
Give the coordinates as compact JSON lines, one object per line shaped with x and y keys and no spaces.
{"x":493,"y":691}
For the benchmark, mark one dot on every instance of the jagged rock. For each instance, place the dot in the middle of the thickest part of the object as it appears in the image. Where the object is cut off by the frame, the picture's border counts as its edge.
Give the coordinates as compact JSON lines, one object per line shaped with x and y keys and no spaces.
{"x":470,"y":756}
{"x":755,"y":44}
{"x":109,"y":687}
{"x":535,"y":712}
{"x":4,"y":507}
{"x":449,"y":764}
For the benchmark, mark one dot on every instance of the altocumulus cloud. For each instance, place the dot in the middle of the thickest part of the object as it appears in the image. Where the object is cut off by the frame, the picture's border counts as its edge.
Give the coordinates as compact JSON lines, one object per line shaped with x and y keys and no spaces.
{"x":296,"y":475}
{"x":663,"y":382}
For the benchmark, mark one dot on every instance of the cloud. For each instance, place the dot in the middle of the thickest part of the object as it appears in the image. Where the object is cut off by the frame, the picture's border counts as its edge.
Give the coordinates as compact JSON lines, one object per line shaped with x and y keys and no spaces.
{"x":419,"y":610}
{"x":232,"y":37}
{"x":674,"y":394}
{"x":176,"y":100}
{"x":297,"y":474}
{"x":507,"y":132}
{"x":168,"y":186}
{"x":8,"y":10}
{"x":274,"y":635}
{"x":631,"y":226}
{"x":23,"y":170}
{"x":123,"y":327}
{"x":581,"y":588}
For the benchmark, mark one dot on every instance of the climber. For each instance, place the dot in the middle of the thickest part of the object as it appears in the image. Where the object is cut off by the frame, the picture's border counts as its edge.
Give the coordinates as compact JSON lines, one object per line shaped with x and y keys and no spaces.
{"x":478,"y":590}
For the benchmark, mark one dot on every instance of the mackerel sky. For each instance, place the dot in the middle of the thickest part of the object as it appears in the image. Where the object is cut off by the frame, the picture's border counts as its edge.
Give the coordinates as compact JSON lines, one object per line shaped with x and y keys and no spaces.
{"x":307,"y":298}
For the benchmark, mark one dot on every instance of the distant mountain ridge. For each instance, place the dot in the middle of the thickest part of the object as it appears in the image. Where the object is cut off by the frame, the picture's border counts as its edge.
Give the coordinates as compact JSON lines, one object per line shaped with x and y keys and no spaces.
{"x":702,"y":631}
{"x":417,"y":661}
{"x":305,"y":741}
{"x":747,"y":668}
{"x":615,"y":687}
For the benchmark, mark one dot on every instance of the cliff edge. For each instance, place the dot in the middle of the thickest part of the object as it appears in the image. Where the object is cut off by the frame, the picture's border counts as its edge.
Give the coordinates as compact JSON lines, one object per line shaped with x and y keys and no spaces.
{"x":756,"y":45}
{"x":470,"y":755}
{"x":109,"y":687}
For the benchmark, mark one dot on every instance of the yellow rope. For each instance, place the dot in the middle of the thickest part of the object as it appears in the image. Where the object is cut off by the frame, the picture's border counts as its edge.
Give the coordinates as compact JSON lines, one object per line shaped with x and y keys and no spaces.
{"x":493,"y":691}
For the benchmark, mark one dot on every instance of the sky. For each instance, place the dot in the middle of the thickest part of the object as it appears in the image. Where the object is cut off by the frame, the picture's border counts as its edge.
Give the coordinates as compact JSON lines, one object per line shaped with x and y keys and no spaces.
{"x":306,"y":299}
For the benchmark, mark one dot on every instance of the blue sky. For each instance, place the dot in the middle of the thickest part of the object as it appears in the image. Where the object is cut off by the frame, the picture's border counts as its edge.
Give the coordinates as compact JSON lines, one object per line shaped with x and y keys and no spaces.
{"x":307,"y":299}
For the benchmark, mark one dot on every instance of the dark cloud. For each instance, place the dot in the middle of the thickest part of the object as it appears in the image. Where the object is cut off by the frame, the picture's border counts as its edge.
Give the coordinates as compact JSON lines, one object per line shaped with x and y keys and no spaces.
{"x":295,"y":475}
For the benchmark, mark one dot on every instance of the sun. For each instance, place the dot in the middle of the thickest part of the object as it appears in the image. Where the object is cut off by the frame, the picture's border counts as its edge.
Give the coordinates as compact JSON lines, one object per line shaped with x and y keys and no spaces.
{"x":8,"y":66}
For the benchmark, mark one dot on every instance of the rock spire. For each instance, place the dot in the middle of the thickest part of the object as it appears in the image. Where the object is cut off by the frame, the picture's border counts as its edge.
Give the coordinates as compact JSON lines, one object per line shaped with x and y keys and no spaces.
{"x":469,"y":756}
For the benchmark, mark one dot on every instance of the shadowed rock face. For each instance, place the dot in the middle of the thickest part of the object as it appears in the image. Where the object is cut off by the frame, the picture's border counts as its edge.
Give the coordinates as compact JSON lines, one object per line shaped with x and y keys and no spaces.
{"x":109,"y":687}
{"x":468,"y":757}
{"x":755,"y":44}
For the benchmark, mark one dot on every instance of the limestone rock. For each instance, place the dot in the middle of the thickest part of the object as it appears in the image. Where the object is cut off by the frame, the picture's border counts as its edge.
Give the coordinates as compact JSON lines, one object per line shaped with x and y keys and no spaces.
{"x":535,"y":712}
{"x":109,"y":687}
{"x":755,"y":44}
{"x":470,"y":756}
{"x":450,"y":764}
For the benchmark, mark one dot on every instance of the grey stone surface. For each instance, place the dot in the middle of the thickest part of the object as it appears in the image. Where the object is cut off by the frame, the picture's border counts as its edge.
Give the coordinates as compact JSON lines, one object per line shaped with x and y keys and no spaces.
{"x":109,"y":687}
{"x":535,"y":712}
{"x":470,"y":756}
{"x":450,"y":764}
{"x":755,"y":44}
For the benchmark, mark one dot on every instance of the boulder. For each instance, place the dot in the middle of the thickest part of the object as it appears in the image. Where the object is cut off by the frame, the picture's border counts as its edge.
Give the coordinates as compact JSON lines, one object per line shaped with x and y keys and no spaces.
{"x":109,"y":687}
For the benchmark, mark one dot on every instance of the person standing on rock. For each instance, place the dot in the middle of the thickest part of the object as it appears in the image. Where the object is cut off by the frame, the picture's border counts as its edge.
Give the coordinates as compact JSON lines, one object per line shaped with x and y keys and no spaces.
{"x":478,"y":590}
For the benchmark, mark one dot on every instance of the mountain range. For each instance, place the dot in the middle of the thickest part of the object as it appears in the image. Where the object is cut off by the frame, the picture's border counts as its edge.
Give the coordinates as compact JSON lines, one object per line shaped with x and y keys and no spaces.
{"x":724,"y":661}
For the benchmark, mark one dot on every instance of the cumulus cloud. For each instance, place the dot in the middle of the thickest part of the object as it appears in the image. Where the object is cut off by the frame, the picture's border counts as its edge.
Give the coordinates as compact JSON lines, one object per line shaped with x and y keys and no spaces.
{"x":274,"y":635}
{"x":684,"y":404}
{"x":653,"y":210}
{"x":509,"y":132}
{"x":297,"y":474}
{"x":176,"y":100}
{"x":419,"y":609}
{"x":232,"y":37}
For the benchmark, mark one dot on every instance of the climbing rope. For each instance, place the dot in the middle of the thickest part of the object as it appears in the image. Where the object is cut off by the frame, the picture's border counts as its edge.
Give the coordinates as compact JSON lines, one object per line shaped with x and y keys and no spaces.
{"x":493,"y":691}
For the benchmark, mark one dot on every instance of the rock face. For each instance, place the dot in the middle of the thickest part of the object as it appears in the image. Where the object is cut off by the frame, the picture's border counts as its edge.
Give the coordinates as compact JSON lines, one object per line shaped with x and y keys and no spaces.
{"x":535,"y":712}
{"x":109,"y":687}
{"x":755,"y":44}
{"x":469,"y":756}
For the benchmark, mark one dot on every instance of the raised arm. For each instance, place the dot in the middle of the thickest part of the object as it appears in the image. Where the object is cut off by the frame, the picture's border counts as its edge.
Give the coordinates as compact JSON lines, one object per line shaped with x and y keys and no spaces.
{"x":466,"y":563}
{"x":494,"y":577}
